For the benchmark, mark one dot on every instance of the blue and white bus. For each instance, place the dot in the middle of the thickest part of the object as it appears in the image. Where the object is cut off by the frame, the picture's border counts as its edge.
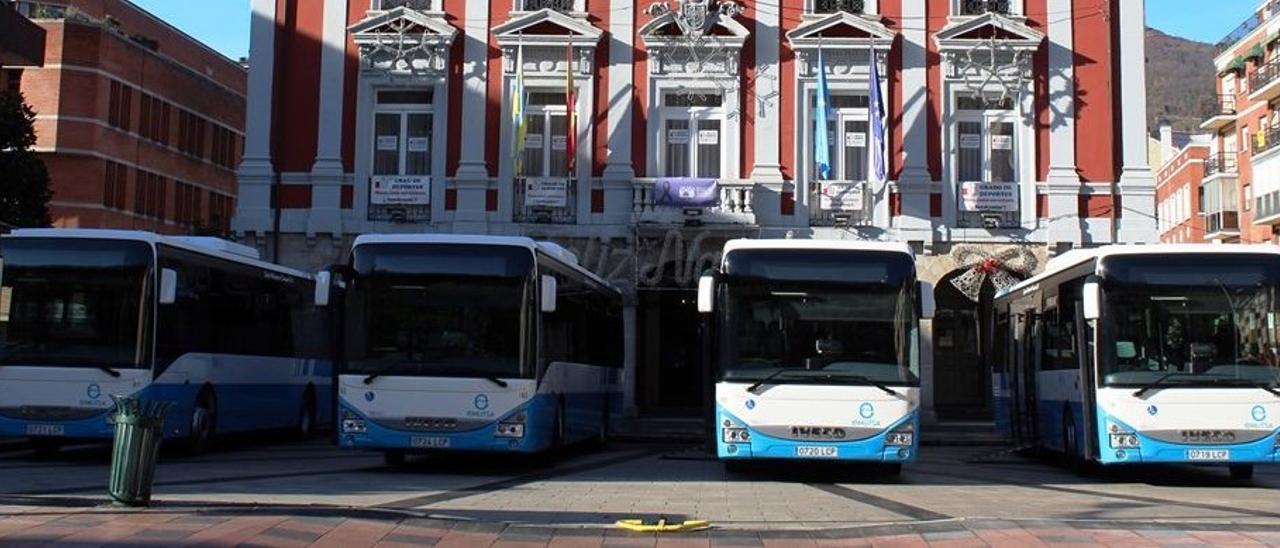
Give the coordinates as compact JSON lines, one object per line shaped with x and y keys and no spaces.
{"x":816,"y":351}
{"x":475,"y":343}
{"x":1144,"y":354}
{"x":236,"y":343}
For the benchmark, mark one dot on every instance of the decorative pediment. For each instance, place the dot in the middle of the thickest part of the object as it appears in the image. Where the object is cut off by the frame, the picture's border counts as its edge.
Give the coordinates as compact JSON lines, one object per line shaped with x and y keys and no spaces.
{"x":547,"y":27}
{"x":404,"y":41}
{"x":667,"y":30}
{"x":989,"y":26}
{"x":842,"y":30}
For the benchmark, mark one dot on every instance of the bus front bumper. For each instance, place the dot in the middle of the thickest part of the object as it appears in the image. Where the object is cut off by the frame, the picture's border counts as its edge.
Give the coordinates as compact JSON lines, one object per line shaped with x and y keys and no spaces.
{"x":761,"y":446}
{"x":95,"y":427}
{"x":1153,"y":451}
{"x":357,"y":431}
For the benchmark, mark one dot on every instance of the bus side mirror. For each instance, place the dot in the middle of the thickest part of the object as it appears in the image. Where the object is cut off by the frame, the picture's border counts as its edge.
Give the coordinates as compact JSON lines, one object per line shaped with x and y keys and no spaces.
{"x":924,"y":296}
{"x":168,"y":286}
{"x":1092,"y":301}
{"x":706,"y":294}
{"x":548,"y":294}
{"x":324,"y":285}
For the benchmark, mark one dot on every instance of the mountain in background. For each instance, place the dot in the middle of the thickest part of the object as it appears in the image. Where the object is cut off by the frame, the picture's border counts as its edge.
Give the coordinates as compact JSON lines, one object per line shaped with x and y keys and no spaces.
{"x":1180,"y":82}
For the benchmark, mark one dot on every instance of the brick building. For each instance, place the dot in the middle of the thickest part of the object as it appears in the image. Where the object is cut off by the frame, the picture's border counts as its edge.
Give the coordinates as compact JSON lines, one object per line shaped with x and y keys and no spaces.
{"x":1178,"y":196}
{"x":1007,"y":142}
{"x":140,"y":125}
{"x":21,"y":44}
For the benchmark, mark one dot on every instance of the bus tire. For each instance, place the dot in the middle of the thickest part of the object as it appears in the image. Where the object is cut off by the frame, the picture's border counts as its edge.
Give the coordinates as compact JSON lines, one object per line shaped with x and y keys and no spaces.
{"x":1070,"y":444}
{"x":737,"y":466}
{"x":306,"y":426}
{"x":558,"y":439}
{"x":1241,"y":471}
{"x":393,"y":458}
{"x":603,"y":442}
{"x":892,"y":469}
{"x":45,"y":448}
{"x":204,"y":422}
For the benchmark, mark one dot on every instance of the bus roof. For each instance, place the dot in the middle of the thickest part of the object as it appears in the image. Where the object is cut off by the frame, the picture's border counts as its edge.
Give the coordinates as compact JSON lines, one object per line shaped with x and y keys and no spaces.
{"x":551,"y":249}
{"x":1076,"y":257}
{"x":847,"y":245}
{"x":204,"y":245}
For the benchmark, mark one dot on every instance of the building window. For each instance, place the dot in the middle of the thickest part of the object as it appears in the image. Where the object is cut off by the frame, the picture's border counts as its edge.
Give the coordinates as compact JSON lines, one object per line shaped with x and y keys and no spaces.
{"x":119,"y":105}
{"x":225,"y":147}
{"x":835,"y":6}
{"x":536,"y":5}
{"x":12,"y":79}
{"x":546,"y":136}
{"x":981,"y":7}
{"x":419,"y":5}
{"x":402,"y":127}
{"x":219,"y":211}
{"x":191,"y":131}
{"x":848,"y":130}
{"x":153,"y":121}
{"x":691,"y":140}
{"x":186,"y":204}
{"x":148,"y":195}
{"x":115,"y":183}
{"x":986,"y":152}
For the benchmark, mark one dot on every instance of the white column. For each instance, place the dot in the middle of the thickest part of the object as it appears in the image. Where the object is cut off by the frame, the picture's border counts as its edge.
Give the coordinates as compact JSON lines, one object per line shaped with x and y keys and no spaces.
{"x":1137,"y":185}
{"x":768,"y":84}
{"x":915,"y":182}
{"x":327,"y":171}
{"x":253,"y":205}
{"x":618,"y":170}
{"x":472,"y":179}
{"x":1064,"y":179}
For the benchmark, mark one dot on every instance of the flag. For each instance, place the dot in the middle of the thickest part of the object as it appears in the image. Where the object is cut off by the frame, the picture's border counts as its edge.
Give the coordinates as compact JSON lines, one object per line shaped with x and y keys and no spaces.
{"x":518,"y":128}
{"x":571,"y":110}
{"x":821,"y":139}
{"x":880,"y":160}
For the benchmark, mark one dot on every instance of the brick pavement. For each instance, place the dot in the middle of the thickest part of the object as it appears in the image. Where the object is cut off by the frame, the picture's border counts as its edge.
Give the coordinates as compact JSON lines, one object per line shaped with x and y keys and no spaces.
{"x":32,"y":525}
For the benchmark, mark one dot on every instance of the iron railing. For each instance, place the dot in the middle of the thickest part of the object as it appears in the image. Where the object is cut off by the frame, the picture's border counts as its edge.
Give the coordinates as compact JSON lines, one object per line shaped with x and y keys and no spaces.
{"x":554,"y":5}
{"x":835,"y":6}
{"x":1223,"y":163}
{"x":1265,"y":75}
{"x":818,"y":216}
{"x":980,"y":7}
{"x":1264,"y":14}
{"x":540,"y":211}
{"x":1266,"y":139}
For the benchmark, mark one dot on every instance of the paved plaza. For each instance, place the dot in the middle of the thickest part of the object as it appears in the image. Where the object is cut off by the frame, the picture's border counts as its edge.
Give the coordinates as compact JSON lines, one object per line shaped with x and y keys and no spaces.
{"x":299,"y":494}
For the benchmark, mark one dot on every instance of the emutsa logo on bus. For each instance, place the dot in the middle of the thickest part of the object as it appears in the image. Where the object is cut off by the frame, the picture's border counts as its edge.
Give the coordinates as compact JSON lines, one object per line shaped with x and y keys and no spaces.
{"x":481,"y":403}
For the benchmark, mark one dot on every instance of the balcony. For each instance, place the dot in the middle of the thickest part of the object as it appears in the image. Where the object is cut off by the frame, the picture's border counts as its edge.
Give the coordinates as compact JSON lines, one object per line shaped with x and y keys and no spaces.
{"x":1221,"y":164}
{"x":1222,"y":226}
{"x":545,"y":200}
{"x":1264,"y":84}
{"x":840,"y":203}
{"x":1264,"y":14}
{"x":1224,"y":114}
{"x":1221,"y":203}
{"x":835,"y":6}
{"x":1266,"y":140}
{"x":982,"y":7}
{"x":1266,"y":208}
{"x":663,"y":201}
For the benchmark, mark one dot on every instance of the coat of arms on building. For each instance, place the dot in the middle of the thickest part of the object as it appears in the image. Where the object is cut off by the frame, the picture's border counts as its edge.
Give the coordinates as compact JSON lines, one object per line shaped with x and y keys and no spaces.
{"x":696,"y":17}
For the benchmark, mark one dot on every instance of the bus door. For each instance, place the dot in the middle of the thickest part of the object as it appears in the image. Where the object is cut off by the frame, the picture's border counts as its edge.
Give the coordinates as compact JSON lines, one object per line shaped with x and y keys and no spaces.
{"x":1025,"y":411}
{"x":1088,"y":380}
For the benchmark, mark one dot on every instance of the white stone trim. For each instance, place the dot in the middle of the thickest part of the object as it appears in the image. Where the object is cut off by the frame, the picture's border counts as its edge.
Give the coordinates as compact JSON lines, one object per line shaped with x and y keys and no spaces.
{"x":768,"y":92}
{"x":473,"y":168}
{"x":620,"y":93}
{"x":1137,"y":184}
{"x":104,"y":125}
{"x":328,"y":172}
{"x":132,"y":165}
{"x":253,"y":205}
{"x":915,"y":223}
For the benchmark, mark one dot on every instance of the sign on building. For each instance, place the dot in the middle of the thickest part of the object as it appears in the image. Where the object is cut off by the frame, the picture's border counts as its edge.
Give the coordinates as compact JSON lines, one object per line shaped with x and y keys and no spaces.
{"x":841,"y":197}
{"x":989,"y":197}
{"x":546,"y":193}
{"x":400,"y":190}
{"x":686,"y":192}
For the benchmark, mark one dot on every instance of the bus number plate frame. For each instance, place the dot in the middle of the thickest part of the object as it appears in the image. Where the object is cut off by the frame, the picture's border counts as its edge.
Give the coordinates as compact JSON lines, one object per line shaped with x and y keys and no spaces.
{"x":1208,"y":454}
{"x":817,"y":451}
{"x":429,"y":442}
{"x":45,"y":430}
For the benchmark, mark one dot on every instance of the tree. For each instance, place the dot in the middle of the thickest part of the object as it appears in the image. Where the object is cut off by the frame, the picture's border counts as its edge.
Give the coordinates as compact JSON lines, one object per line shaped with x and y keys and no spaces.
{"x":24,"y":181}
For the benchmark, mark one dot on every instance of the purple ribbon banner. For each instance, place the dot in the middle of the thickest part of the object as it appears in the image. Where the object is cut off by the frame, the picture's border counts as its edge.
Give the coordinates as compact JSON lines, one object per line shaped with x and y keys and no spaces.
{"x":686,"y":192}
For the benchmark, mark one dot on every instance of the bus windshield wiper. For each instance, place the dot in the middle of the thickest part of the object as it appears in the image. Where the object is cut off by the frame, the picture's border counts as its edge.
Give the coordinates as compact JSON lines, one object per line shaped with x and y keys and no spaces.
{"x":495,"y":380}
{"x":1156,"y":383}
{"x":752,"y":389}
{"x":109,"y":370}
{"x":882,"y":386}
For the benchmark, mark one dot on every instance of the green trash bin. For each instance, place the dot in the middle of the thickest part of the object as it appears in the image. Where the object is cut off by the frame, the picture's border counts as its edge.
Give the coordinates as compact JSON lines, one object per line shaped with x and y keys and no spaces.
{"x":139,"y":429}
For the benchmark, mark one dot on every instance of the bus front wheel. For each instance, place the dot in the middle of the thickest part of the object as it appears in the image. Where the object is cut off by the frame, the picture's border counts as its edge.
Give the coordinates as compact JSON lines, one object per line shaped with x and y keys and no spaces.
{"x":393,"y":458}
{"x":1070,"y":444}
{"x":1241,"y":471}
{"x":204,"y":418}
{"x":306,"y":416}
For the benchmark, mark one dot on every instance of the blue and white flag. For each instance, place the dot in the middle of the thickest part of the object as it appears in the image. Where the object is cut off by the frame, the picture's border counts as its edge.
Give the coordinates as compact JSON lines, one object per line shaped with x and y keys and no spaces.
{"x":822,"y":106}
{"x":880,"y":160}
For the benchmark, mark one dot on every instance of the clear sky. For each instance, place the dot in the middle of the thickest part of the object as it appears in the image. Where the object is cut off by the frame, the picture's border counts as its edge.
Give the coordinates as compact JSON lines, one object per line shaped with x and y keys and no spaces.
{"x":224,"y":24}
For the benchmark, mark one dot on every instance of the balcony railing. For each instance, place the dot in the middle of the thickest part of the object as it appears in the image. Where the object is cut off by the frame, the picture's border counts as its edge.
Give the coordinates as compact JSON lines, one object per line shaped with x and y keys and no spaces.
{"x":1221,"y":224}
{"x":1260,"y":82}
{"x":1224,"y":112}
{"x":1220,"y":164}
{"x":1266,"y":139}
{"x":554,"y":5}
{"x":418,"y":5}
{"x":844,"y":203}
{"x":1226,"y":105}
{"x":980,"y":7}
{"x":1264,"y":14}
{"x":545,"y":201}
{"x":834,"y":6}
{"x":734,"y":204}
{"x":989,"y":205}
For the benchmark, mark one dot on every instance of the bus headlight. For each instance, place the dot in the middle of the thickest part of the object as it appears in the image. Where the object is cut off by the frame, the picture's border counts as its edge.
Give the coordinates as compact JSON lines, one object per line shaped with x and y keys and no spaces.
{"x":1121,"y":438}
{"x":512,"y":427}
{"x":736,"y":435}
{"x":901,"y":436}
{"x":353,"y":425}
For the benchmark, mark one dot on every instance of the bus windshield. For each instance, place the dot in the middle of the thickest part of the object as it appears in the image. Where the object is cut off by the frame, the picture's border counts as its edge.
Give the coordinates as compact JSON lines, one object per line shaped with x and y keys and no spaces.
{"x":74,"y":302}
{"x":439,"y":310}
{"x":1191,"y":321}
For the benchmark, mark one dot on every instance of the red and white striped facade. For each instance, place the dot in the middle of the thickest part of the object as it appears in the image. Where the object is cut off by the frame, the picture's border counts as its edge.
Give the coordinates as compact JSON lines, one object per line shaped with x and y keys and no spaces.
{"x":343,"y":92}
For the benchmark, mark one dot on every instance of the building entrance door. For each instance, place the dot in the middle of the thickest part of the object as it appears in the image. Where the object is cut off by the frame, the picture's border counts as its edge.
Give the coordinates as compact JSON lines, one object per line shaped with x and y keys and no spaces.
{"x":961,"y":376}
{"x":669,"y":353}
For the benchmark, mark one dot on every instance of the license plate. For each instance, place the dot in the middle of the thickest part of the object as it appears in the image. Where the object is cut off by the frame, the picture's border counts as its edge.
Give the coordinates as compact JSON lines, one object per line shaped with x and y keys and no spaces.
{"x":825,"y":452}
{"x":1205,"y":454}
{"x":44,"y":430}
{"x":429,"y":442}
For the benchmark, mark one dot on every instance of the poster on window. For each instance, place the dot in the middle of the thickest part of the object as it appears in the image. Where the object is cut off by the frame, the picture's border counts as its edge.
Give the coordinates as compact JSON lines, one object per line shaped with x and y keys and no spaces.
{"x":388,"y":142}
{"x":989,"y":197}
{"x":559,"y":142}
{"x":708,"y":136}
{"x":546,"y":192}
{"x":686,"y":192}
{"x":970,"y":140}
{"x":400,"y":190}
{"x":855,"y":139}
{"x":1002,"y":142}
{"x":677,"y":136}
{"x":533,"y":140}
{"x":419,"y":144}
{"x":841,"y":197}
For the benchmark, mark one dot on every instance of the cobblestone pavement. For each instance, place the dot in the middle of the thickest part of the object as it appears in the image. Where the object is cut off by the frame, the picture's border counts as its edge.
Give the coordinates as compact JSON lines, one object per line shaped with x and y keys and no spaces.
{"x":311,"y":493}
